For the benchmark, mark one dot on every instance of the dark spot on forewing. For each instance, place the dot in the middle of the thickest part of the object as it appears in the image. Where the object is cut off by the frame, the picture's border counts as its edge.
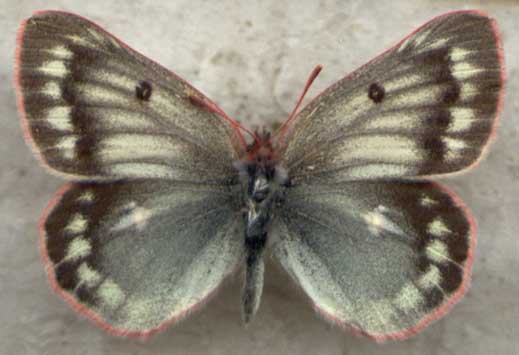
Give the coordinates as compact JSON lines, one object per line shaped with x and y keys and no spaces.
{"x":143,"y":91}
{"x":376,"y":93}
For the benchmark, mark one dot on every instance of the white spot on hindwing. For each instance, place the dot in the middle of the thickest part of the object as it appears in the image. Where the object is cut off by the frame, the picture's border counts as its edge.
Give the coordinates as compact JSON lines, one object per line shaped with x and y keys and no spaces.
{"x":79,"y":247}
{"x":377,"y":221}
{"x":140,"y":217}
{"x":437,"y":251}
{"x":110,"y":294}
{"x":88,"y":276}
{"x":431,"y":278}
{"x":409,"y":297}
{"x":77,"y":224}
{"x":136,"y":216}
{"x":438,"y":228}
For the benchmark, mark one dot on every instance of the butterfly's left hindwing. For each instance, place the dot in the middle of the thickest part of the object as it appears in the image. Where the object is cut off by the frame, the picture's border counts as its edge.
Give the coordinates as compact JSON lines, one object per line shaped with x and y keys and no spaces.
{"x":383,"y":258}
{"x":135,"y":256}
{"x":94,"y":108}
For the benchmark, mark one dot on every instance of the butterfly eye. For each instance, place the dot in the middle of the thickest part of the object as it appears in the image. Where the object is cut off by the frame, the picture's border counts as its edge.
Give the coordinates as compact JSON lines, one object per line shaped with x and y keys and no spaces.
{"x":143,"y":91}
{"x":376,"y":93}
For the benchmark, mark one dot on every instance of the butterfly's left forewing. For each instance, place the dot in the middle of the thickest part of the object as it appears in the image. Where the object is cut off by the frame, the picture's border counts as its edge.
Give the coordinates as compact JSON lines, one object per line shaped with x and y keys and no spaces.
{"x":95,"y":108}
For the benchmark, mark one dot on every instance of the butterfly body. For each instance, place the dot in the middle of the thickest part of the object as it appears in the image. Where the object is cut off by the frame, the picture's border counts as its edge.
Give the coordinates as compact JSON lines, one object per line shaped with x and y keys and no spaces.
{"x":166,"y":199}
{"x":264,"y":184}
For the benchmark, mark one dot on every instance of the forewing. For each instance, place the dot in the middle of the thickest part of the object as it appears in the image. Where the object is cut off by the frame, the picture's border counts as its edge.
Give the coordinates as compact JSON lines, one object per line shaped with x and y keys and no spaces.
{"x":135,"y":256}
{"x":94,"y":108}
{"x":384,"y":265}
{"x":427,"y":106}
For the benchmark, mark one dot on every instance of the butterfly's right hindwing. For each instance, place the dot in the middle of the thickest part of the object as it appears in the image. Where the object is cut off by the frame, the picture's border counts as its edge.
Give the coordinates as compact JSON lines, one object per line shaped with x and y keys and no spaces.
{"x":382,"y":257}
{"x":94,"y":108}
{"x":137,"y":255}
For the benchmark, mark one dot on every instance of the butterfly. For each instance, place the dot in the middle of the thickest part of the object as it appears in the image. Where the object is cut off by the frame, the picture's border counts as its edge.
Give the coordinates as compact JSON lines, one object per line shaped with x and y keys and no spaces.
{"x":168,"y":195}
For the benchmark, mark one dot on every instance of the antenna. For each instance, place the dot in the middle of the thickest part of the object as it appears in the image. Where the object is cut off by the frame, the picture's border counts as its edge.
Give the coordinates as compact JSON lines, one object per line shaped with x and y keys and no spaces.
{"x":211,"y":106}
{"x":292,"y":116}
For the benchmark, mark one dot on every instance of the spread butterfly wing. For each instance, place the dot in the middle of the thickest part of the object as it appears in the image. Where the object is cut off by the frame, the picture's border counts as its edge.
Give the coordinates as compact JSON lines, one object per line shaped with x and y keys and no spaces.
{"x":427,"y":106}
{"x":382,"y":258}
{"x":94,"y":108}
{"x":135,"y":256}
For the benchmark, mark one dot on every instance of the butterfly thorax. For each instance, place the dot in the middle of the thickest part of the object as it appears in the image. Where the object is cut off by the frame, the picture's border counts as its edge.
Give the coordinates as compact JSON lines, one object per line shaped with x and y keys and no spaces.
{"x":263,"y":184}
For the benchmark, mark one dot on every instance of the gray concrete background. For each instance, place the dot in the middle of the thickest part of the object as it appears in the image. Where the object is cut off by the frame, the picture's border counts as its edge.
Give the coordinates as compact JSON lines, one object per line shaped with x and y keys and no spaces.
{"x":253,"y":60}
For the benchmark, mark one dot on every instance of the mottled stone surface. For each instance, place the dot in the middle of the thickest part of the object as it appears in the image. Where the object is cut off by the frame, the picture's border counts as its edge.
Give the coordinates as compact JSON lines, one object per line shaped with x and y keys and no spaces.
{"x":253,"y":60}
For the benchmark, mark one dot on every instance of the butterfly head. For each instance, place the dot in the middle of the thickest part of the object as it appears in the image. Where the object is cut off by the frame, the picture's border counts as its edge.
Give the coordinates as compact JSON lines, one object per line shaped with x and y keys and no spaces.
{"x":261,"y":161}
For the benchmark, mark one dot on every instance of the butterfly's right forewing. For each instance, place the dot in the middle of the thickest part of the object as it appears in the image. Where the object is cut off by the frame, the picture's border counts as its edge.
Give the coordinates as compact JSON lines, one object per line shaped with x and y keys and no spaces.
{"x":94,"y":108}
{"x":427,"y":106}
